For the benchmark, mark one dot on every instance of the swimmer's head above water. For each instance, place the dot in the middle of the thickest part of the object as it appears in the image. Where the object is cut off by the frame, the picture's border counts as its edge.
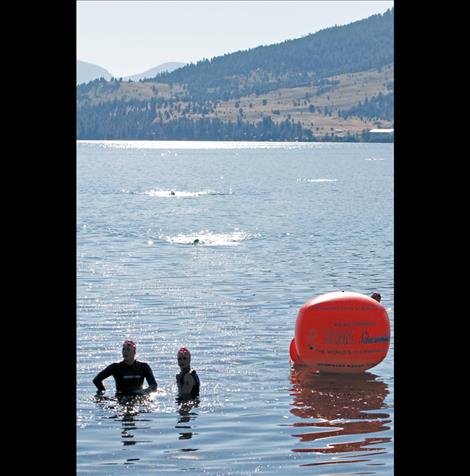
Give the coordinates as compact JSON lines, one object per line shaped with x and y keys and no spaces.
{"x":376,"y":296}
{"x":184,"y":358}
{"x":128,"y":351}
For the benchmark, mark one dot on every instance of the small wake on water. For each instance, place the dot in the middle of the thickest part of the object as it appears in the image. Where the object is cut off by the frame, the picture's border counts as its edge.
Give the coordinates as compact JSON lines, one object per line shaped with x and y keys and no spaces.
{"x":178,"y":194}
{"x":317,"y":180}
{"x":207,"y":238}
{"x":174,"y":193}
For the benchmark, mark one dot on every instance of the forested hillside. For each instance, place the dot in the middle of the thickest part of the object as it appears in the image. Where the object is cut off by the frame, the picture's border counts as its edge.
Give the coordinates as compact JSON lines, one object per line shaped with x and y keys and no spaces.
{"x":335,"y":84}
{"x":359,"y":46}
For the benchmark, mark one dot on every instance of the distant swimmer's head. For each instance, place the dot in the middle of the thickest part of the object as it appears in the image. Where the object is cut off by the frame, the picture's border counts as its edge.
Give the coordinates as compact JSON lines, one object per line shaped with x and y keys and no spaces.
{"x":376,"y":296}
{"x":196,"y":241}
{"x":184,"y":357}
{"x":172,"y":193}
{"x":128,"y":351}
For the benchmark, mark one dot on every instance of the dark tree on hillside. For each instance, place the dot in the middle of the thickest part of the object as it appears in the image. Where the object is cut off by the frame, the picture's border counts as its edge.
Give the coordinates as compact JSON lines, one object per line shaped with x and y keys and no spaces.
{"x":378,"y":107}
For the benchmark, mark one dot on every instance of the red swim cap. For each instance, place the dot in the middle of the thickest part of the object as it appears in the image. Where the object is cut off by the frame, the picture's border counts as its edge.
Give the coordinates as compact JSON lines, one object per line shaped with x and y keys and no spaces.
{"x":184,"y":350}
{"x":129,"y":343}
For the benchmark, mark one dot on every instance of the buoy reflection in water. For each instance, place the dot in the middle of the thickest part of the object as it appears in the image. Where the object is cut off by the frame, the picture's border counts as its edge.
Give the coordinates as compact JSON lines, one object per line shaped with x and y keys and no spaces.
{"x":338,"y":406}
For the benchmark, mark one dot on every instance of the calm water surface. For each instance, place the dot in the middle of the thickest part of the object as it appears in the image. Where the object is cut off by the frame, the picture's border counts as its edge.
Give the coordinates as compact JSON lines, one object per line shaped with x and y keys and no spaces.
{"x":277,"y":224}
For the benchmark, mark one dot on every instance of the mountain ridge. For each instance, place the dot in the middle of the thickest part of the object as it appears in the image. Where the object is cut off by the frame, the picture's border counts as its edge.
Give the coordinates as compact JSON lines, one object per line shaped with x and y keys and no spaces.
{"x":357,"y":46}
{"x":87,"y":72}
{"x":149,"y":73}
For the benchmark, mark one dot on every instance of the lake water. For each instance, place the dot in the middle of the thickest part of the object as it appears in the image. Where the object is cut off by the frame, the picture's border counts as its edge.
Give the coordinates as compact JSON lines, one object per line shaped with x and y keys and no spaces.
{"x":277,"y":223}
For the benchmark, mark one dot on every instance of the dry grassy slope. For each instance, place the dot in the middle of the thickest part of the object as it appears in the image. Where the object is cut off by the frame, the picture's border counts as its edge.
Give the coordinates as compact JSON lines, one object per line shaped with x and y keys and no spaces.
{"x":291,"y":102}
{"x":352,"y":89}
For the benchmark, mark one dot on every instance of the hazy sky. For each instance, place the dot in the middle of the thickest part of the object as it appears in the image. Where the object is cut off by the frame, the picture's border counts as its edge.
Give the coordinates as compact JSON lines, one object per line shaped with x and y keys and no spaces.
{"x":129,"y":37}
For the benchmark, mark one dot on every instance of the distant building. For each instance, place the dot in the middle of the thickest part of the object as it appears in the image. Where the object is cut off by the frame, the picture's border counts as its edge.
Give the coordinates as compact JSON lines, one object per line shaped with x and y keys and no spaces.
{"x":381,"y":131}
{"x":382,"y":134}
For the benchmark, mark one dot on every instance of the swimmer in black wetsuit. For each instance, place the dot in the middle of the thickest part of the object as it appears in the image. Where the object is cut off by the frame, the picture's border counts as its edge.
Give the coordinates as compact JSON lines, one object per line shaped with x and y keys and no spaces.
{"x":128,"y":374}
{"x":187,"y":379}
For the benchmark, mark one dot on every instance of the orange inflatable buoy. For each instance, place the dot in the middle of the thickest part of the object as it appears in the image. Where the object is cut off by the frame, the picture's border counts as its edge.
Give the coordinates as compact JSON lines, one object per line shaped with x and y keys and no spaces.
{"x":341,"y":332}
{"x":294,"y":355}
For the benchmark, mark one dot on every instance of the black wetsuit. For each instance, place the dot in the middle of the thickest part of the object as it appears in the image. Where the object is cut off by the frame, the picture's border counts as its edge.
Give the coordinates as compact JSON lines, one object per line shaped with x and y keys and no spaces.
{"x":128,"y":378}
{"x":197,"y":383}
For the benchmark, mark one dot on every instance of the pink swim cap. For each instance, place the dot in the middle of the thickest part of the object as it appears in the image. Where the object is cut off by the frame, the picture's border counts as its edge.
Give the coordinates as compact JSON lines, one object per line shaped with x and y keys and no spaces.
{"x":184,"y":350}
{"x":129,"y":343}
